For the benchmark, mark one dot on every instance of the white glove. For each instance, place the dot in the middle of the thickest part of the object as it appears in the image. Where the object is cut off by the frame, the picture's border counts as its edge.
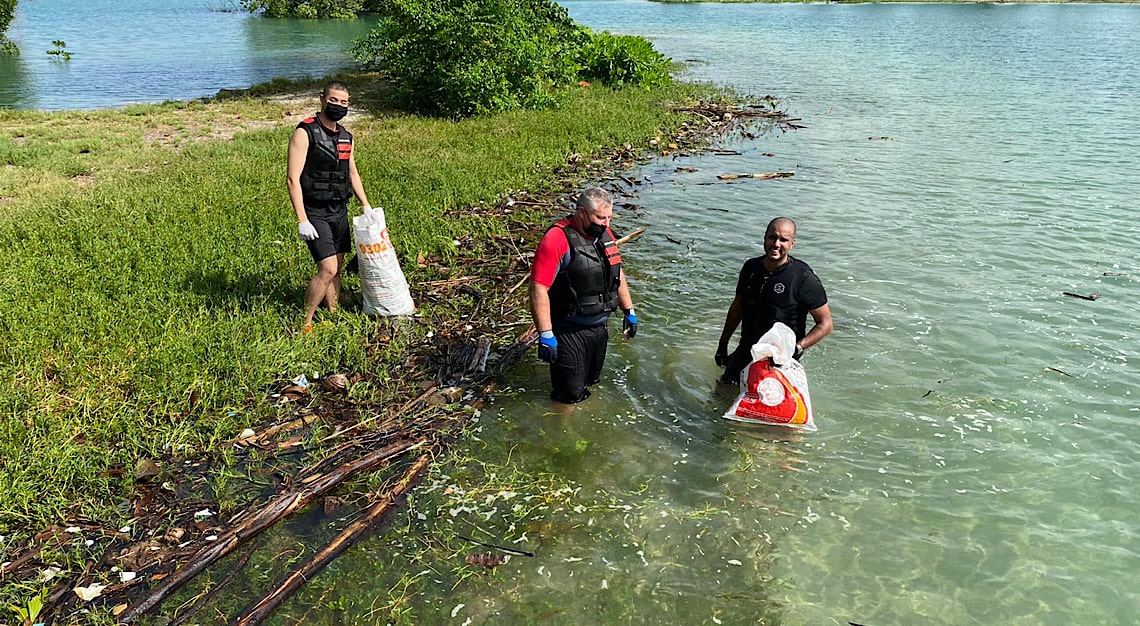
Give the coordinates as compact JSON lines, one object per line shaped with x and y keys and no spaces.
{"x":307,"y":231}
{"x":376,"y":215}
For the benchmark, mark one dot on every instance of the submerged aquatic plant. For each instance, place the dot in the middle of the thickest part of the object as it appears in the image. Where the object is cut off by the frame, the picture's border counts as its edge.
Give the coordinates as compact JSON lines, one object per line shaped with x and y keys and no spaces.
{"x":60,"y":50}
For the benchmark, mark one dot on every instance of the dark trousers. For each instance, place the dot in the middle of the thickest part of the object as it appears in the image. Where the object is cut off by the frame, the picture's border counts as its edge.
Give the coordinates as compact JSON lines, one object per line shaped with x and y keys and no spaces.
{"x":581,"y":353}
{"x":738,"y":359}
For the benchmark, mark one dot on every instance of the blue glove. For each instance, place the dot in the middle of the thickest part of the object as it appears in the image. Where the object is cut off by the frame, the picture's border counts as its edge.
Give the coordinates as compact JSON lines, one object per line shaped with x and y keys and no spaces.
{"x":307,"y":231}
{"x":547,"y":346}
{"x":629,"y":324}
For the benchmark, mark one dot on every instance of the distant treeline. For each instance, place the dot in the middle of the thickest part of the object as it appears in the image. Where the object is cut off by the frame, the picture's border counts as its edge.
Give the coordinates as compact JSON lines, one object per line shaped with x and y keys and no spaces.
{"x":313,"y":9}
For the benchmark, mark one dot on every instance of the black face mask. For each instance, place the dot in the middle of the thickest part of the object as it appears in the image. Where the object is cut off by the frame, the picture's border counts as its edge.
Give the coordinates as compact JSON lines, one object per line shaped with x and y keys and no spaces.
{"x":595,"y":230}
{"x":335,"y":112}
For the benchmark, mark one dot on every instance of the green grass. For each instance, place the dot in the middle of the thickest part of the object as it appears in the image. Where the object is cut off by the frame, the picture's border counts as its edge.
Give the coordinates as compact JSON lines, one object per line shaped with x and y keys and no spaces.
{"x":151,"y":256}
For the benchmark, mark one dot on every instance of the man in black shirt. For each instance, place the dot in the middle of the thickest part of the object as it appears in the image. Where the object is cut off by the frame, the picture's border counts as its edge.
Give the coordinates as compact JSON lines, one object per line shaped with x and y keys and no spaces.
{"x":773,"y":288}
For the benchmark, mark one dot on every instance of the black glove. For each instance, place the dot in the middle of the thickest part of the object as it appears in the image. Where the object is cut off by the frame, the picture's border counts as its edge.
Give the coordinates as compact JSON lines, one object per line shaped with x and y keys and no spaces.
{"x":798,"y":353}
{"x":721,"y":357}
{"x":629,"y":324}
{"x":547,"y":347}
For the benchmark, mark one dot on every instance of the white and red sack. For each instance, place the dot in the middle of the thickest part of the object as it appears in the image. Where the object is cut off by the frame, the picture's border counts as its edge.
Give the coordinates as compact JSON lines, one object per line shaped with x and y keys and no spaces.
{"x":382,"y":282}
{"x":774,"y":387}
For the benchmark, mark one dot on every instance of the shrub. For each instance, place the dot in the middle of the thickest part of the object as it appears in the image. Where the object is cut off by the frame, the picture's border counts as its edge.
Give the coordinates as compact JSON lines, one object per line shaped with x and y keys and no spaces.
{"x":465,"y":57}
{"x":7,"y":12}
{"x":306,"y":9}
{"x":618,"y":60}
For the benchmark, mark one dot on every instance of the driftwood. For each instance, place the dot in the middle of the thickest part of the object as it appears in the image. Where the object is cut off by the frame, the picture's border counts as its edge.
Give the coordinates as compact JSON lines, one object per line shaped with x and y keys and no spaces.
{"x":267,"y":516}
{"x":268,"y":603}
{"x":630,"y":237}
{"x":761,"y":176}
{"x":1091,"y":296}
{"x":201,"y":600}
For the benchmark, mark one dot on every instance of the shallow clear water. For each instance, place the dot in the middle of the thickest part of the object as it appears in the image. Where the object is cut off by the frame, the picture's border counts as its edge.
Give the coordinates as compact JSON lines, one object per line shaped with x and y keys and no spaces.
{"x":157,"y":50}
{"x":955,"y":478}
{"x":961,"y":167}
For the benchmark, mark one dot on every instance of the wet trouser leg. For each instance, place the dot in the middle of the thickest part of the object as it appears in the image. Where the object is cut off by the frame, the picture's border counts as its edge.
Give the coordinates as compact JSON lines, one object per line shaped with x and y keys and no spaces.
{"x":581,"y":354}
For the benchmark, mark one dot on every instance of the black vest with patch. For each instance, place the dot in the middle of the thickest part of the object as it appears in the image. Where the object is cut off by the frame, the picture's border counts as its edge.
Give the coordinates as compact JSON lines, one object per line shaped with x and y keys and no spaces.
{"x":325,"y":178}
{"x":589,"y":286}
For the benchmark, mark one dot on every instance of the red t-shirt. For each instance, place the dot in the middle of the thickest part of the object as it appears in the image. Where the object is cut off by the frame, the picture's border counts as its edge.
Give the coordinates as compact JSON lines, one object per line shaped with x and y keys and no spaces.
{"x":553,"y":254}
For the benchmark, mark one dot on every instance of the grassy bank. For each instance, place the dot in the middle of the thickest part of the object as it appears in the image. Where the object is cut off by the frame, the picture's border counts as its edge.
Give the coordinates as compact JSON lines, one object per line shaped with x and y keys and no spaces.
{"x":153,"y":276}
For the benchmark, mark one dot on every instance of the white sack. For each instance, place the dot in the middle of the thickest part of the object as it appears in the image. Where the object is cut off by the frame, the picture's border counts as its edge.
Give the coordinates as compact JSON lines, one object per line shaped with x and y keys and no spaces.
{"x":382,"y":282}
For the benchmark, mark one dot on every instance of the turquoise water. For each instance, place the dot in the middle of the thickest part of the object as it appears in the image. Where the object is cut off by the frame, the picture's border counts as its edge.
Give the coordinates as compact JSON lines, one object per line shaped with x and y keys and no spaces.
{"x":955,"y":478}
{"x":125,"y":52}
{"x":961,"y":167}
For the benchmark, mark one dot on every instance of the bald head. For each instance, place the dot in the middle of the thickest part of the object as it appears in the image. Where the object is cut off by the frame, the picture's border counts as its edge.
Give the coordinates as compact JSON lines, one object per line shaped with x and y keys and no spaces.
{"x":779,"y":238}
{"x":781,"y":223}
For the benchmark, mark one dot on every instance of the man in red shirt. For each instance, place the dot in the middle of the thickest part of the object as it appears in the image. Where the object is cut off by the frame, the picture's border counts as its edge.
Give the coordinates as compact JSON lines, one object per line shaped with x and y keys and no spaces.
{"x":576,"y":282}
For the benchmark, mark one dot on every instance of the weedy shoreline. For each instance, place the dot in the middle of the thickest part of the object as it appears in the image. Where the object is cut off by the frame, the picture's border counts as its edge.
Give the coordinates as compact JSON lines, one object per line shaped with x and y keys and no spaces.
{"x":155,"y":294}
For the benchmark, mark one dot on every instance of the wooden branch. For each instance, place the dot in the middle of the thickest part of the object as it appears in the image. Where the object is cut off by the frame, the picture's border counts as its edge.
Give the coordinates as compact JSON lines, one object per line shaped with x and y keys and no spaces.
{"x":520,"y":283}
{"x":276,"y":510}
{"x":630,"y":237}
{"x":201,"y":601}
{"x":268,"y":603}
{"x":1091,"y":296}
{"x":761,"y":176}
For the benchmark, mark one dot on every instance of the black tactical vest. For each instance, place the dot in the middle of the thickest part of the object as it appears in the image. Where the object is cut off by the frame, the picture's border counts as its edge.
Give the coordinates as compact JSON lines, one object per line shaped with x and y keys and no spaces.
{"x":589,"y":286}
{"x":325,"y":177}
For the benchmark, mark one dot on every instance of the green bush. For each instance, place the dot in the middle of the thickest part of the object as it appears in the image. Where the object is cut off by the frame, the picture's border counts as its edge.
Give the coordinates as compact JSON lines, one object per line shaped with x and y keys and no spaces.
{"x":7,"y":12}
{"x":306,"y":9}
{"x":466,"y":57}
{"x":618,"y":60}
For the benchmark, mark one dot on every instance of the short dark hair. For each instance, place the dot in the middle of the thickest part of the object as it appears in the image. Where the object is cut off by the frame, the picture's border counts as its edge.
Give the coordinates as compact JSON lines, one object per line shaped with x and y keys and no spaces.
{"x":334,"y":85}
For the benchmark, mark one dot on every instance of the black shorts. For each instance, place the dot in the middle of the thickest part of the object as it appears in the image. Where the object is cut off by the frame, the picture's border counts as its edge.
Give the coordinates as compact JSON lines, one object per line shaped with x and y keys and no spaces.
{"x":581,"y":353}
{"x":335,"y":235}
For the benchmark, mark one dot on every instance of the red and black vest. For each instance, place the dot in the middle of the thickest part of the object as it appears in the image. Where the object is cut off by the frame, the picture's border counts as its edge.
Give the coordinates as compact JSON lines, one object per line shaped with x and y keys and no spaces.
{"x":589,"y":286}
{"x":325,"y":178}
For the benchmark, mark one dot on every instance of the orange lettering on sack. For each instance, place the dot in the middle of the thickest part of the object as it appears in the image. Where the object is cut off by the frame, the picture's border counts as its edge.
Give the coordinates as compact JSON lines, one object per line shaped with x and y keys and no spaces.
{"x":383,"y":245}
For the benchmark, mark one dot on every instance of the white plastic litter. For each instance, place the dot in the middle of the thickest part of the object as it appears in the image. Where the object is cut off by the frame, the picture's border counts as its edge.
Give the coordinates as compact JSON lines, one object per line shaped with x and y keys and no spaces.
{"x":773,"y":388}
{"x":382,"y":282}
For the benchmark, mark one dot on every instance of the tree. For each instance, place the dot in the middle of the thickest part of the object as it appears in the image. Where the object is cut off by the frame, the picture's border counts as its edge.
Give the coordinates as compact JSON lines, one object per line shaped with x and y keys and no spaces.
{"x":309,"y":9}
{"x":7,"y":12}
{"x":467,"y":57}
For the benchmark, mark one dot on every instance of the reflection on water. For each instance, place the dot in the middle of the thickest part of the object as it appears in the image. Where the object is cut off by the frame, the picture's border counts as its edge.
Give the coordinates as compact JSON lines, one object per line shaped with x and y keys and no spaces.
{"x":160,"y":50}
{"x":13,"y":93}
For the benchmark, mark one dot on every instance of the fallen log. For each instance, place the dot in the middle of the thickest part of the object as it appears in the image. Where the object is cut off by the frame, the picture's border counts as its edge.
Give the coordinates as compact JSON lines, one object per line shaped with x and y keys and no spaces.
{"x":268,"y":603}
{"x":276,"y":510}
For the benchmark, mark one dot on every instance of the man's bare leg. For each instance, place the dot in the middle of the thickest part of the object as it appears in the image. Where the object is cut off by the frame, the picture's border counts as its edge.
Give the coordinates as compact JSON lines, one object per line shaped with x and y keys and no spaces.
{"x":319,"y":287}
{"x":332,"y":297}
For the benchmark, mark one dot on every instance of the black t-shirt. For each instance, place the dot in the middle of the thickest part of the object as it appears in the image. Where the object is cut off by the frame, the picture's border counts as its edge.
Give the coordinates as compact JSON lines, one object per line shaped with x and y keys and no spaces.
{"x":786,"y":295}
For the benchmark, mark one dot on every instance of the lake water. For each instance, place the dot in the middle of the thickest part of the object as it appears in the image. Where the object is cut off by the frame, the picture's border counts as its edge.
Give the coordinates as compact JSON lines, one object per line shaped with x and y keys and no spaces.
{"x":962,"y":167}
{"x":125,"y":52}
